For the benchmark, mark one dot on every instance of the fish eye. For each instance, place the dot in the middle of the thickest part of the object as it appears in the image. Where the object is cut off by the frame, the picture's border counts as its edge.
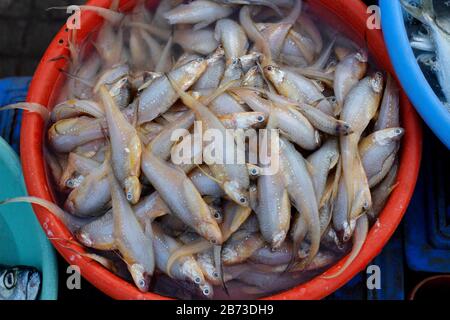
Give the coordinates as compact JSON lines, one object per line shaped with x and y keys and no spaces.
{"x":398,"y":131}
{"x":70,"y":183}
{"x":215,"y":275}
{"x":129,"y":196}
{"x":216,"y":215}
{"x":9,"y":280}
{"x":213,"y":241}
{"x":243,"y":200}
{"x":142,"y":283}
{"x":260,"y":118}
{"x":269,"y":68}
{"x":197,"y":280}
{"x":206,"y":292}
{"x":254,"y":172}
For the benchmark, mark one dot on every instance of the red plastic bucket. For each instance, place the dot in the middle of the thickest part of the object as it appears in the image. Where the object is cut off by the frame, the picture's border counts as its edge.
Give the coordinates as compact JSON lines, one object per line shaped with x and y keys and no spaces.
{"x":48,"y":80}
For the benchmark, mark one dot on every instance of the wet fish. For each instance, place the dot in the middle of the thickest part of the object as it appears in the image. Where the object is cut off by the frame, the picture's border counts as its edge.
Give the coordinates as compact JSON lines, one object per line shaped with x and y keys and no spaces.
{"x":159,"y":96}
{"x":19,"y":283}
{"x":126,"y":148}
{"x":440,"y":38}
{"x":201,"y":13}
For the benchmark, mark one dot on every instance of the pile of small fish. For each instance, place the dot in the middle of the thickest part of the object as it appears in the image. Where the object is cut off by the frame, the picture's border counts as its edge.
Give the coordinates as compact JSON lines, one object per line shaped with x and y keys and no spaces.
{"x":19,"y":283}
{"x":229,"y":64}
{"x":434,"y":42}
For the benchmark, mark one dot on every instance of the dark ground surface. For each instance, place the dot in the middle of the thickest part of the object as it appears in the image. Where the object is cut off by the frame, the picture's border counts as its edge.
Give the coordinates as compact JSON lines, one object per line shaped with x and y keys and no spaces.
{"x":26,"y":29}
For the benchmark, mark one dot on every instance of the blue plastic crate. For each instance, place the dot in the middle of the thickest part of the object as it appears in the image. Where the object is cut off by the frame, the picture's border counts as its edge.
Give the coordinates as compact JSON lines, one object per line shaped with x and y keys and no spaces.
{"x":12,"y":90}
{"x":427,"y":240}
{"x":438,"y":201}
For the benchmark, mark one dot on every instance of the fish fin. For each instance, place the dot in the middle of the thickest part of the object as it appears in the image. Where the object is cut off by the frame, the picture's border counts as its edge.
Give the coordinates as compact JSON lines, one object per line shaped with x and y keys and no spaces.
{"x":310,"y":167}
{"x":187,"y":99}
{"x":293,"y":262}
{"x":75,"y":77}
{"x":167,"y":47}
{"x":208,"y":175}
{"x":392,"y":188}
{"x":30,"y":107}
{"x":219,"y":91}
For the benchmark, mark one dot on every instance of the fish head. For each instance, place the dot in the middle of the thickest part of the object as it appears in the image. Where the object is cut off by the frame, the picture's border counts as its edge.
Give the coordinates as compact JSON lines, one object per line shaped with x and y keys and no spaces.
{"x":133,"y":189}
{"x":236,"y":64}
{"x":207,"y":290}
{"x":210,"y":231}
{"x":191,"y":270}
{"x":140,"y":277}
{"x":389,"y":135}
{"x":235,"y":192}
{"x":19,"y":283}
{"x":195,"y":68}
{"x":362,"y":56}
{"x":278,"y":239}
{"x":361,"y":59}
{"x":217,"y":214}
{"x":274,"y":74}
{"x":377,"y":82}
{"x":216,"y":55}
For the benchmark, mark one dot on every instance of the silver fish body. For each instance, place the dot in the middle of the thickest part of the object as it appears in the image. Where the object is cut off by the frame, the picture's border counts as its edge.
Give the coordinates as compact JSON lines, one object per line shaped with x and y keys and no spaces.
{"x":199,"y":12}
{"x":19,"y":283}
{"x":233,"y":38}
{"x":378,"y":152}
{"x":201,"y":41}
{"x":160,"y":96}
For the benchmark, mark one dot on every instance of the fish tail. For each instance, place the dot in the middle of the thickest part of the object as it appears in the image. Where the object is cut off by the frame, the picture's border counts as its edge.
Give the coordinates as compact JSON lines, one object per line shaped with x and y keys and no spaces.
{"x":30,"y":107}
{"x":50,"y":206}
{"x":77,"y":78}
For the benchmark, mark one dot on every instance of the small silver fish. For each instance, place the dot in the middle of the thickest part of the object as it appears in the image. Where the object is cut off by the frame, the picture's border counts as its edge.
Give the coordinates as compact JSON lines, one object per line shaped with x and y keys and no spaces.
{"x":19,"y":283}
{"x":200,"y":12}
{"x":440,"y":38}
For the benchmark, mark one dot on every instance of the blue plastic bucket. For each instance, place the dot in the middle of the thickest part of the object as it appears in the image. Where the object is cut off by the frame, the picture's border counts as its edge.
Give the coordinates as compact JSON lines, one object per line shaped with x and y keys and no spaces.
{"x":413,"y":81}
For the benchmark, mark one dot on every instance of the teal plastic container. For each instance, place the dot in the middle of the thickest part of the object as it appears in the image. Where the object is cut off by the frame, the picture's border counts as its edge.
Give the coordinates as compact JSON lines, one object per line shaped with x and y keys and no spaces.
{"x":22,"y":240}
